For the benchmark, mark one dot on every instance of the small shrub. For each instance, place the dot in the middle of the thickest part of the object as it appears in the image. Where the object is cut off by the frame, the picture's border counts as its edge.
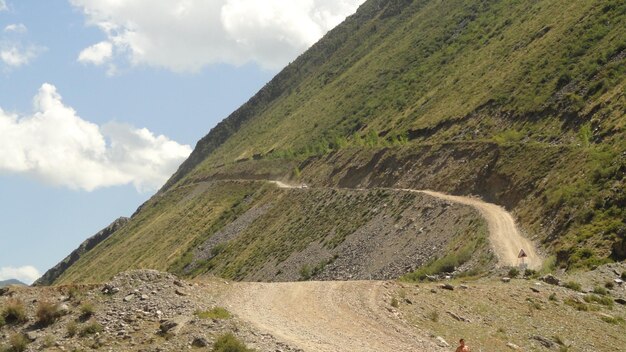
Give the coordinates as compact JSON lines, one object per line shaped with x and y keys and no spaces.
{"x":609,"y":285}
{"x":229,"y":343}
{"x":47,"y":313}
{"x":90,"y":329}
{"x":573,"y":285}
{"x":2,"y":322}
{"x":513,"y":272}
{"x":433,"y":316}
{"x":395,"y":303}
{"x":87,"y":310}
{"x":71,"y":329}
{"x":14,"y":312}
{"x":215,"y":313}
{"x":74,"y":293}
{"x":305,"y":272}
{"x":18,"y":342}
{"x":48,"y":341}
{"x":552,"y":297}
{"x":623,"y":275}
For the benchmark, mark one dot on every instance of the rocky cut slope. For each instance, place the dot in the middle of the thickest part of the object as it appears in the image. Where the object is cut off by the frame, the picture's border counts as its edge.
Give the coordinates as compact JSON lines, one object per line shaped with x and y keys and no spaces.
{"x":519,"y":103}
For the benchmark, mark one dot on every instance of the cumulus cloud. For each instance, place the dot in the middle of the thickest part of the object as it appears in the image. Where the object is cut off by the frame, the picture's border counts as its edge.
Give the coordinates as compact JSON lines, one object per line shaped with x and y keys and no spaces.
{"x":96,"y":54}
{"x":185,"y":35}
{"x":26,"y":274}
{"x":16,"y":28}
{"x":3,"y":6}
{"x":57,"y":146}
{"x":15,"y":55}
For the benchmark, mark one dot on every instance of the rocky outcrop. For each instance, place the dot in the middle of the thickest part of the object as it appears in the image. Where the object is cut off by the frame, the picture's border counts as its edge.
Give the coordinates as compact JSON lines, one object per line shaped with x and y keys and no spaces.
{"x":51,"y":275}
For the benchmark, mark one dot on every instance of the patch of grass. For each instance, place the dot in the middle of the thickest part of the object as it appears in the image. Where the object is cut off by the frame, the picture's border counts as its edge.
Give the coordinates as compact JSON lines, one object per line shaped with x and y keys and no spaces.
{"x":14,"y":312}
{"x":47,"y":312}
{"x":214,"y":313}
{"x":603,"y":300}
{"x":513,"y":272}
{"x":612,"y":320}
{"x":573,"y":285}
{"x":609,"y":285}
{"x":229,"y":343}
{"x":90,"y":328}
{"x":18,"y":342}
{"x":599,"y":290}
{"x":576,"y":304}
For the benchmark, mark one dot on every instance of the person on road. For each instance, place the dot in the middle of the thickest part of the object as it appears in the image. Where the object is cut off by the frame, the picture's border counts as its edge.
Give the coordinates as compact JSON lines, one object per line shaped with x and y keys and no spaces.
{"x":462,"y":347}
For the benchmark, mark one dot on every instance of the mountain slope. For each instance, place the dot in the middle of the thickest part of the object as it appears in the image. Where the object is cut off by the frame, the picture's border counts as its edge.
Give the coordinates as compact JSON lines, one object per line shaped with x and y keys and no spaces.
{"x":11,"y":282}
{"x":520,"y":103}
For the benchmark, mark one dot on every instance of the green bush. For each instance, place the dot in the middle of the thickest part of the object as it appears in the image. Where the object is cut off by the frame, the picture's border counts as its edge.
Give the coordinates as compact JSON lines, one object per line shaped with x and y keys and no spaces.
{"x":47,"y":313}
{"x":395,"y":303}
{"x":87,"y":309}
{"x":18,"y":342}
{"x":90,"y":329}
{"x":623,"y":275}
{"x":215,"y":313}
{"x":513,"y":272}
{"x":14,"y":312}
{"x":71,"y":328}
{"x":229,"y":343}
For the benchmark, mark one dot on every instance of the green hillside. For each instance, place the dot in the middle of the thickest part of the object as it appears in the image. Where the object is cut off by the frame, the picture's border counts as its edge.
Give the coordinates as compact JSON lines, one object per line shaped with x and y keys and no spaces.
{"x":522,"y":103}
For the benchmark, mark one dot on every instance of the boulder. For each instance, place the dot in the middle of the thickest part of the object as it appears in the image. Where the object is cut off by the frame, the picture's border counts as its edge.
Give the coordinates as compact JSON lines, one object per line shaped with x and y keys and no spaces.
{"x":550,"y":279}
{"x":200,"y":342}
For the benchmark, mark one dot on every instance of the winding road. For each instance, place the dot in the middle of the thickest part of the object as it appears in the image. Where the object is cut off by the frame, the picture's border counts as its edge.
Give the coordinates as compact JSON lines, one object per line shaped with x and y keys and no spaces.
{"x":349,"y":316}
{"x":504,"y":236}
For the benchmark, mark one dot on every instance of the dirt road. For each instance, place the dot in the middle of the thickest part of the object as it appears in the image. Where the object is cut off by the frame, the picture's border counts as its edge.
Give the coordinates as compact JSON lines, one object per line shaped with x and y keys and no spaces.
{"x":504,"y":236}
{"x":503,"y":233}
{"x":332,"y":316}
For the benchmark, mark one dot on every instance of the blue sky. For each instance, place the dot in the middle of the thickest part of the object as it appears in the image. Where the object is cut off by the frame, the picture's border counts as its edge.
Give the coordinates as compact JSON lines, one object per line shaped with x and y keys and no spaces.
{"x":101,"y":100}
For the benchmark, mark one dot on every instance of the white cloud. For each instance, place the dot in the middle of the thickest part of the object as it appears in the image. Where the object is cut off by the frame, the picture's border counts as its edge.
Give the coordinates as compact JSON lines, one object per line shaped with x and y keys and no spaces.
{"x":26,"y":274}
{"x":185,"y":35}
{"x":57,"y":146}
{"x":96,"y":54}
{"x":16,"y":28}
{"x":16,"y":56}
{"x":3,"y":6}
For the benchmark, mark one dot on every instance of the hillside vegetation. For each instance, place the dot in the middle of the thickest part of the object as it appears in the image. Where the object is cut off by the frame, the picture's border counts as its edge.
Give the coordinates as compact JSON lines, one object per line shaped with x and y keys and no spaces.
{"x":521,"y":103}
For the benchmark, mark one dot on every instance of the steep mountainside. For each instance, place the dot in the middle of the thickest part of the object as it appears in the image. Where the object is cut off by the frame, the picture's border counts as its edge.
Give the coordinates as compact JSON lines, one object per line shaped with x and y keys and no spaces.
{"x":51,"y":275}
{"x":521,"y":103}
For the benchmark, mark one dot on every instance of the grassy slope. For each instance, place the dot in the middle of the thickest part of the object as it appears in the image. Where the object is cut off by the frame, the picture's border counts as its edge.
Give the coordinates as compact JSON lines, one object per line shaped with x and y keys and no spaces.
{"x":544,"y":81}
{"x":537,"y":86}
